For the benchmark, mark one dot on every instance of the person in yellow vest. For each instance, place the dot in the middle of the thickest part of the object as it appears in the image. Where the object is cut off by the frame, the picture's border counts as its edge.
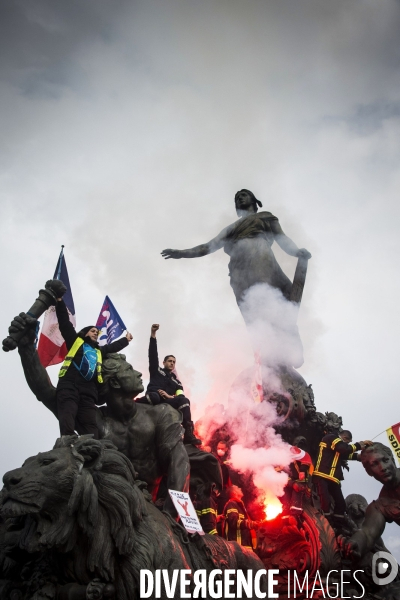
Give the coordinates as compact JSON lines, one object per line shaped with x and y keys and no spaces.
{"x":80,"y":374}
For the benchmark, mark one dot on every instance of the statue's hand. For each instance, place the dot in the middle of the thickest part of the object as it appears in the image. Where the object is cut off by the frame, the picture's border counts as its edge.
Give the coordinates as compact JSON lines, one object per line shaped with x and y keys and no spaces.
{"x":349,"y":548}
{"x":25,"y":323}
{"x":303,"y":253}
{"x":169,"y":253}
{"x":96,"y":590}
{"x":56,"y":286}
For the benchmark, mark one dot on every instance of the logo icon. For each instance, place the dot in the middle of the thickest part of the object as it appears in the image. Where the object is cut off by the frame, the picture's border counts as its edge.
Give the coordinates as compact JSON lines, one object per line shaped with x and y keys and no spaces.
{"x":384,"y":568}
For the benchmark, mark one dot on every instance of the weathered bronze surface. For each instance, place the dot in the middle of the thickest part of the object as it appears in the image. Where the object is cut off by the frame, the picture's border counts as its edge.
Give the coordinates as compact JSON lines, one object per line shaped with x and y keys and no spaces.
{"x":78,"y":520}
{"x":150,"y":436}
{"x":252,"y":263}
{"x":379,"y":463}
{"x":248,"y":242}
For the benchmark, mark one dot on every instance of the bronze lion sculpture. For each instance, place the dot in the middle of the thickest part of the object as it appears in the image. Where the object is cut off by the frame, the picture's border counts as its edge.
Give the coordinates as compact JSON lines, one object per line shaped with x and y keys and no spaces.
{"x":79,"y":510}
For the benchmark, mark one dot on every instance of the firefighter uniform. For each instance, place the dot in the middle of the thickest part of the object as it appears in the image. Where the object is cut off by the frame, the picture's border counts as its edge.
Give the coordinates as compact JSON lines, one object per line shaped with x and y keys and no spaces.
{"x":226,"y":484}
{"x":207,"y":513}
{"x":79,"y":376}
{"x":299,"y":482}
{"x":238,"y":526}
{"x":328,"y":473}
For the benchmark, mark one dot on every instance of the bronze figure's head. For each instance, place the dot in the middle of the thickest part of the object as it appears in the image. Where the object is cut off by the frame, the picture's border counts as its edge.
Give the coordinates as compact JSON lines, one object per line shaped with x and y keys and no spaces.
{"x":379,"y":463}
{"x":245,"y":201}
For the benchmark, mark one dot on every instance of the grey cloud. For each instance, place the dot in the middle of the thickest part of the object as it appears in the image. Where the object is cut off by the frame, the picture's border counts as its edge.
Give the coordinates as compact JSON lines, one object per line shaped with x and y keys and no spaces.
{"x":40,"y":40}
{"x":367,"y":118}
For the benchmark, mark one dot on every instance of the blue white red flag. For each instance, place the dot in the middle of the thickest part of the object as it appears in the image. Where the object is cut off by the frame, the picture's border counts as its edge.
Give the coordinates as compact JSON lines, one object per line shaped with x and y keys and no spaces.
{"x":109,"y":323}
{"x":52,"y":348}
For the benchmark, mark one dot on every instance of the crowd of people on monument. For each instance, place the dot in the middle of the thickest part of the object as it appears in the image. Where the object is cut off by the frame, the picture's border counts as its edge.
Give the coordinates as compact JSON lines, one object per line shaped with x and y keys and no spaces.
{"x":227,"y":505}
{"x":102,"y":407}
{"x":220,"y":511}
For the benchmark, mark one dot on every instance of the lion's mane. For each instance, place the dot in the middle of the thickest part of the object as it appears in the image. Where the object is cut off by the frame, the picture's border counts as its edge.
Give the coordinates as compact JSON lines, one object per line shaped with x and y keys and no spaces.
{"x":102,"y":528}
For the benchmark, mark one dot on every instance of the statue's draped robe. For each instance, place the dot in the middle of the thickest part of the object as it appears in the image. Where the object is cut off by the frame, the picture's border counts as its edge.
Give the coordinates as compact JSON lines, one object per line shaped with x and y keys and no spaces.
{"x":262,"y":290}
{"x":248,"y":243}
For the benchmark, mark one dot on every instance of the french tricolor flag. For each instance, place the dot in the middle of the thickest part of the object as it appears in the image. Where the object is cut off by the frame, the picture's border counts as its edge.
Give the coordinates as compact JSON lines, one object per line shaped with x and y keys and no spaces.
{"x":52,"y":349}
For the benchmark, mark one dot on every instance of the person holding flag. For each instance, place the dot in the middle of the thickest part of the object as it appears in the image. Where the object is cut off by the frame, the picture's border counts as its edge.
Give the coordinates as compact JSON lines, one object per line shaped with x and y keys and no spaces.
{"x":109,"y":323}
{"x":80,"y":373}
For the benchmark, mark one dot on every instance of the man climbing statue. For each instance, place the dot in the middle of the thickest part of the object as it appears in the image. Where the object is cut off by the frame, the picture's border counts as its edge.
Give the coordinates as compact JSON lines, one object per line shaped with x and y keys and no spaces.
{"x":165,"y":387}
{"x":81,"y":374}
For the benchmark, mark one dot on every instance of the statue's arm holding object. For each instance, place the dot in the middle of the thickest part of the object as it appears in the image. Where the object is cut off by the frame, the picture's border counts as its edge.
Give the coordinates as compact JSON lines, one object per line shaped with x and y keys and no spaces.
{"x":35,"y":374}
{"x":208,"y":248}
{"x":286,"y":243}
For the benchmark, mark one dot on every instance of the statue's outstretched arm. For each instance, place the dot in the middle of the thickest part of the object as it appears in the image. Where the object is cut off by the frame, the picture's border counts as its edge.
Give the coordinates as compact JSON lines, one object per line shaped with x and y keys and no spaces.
{"x":286,"y":243}
{"x":35,"y":374}
{"x":208,"y":248}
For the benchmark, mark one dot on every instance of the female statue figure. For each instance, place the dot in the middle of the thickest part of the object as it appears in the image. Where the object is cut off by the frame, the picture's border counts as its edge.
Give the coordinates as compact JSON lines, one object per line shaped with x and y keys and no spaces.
{"x":253,"y":269}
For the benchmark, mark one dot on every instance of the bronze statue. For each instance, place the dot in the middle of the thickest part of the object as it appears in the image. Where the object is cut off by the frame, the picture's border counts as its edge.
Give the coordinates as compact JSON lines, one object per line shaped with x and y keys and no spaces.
{"x":47,"y":297}
{"x":150,"y":436}
{"x":379,"y":463}
{"x":252,"y":262}
{"x":80,"y":509}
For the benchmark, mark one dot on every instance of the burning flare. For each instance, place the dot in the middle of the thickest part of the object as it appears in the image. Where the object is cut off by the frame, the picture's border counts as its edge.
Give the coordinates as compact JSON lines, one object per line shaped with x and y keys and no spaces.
{"x":273,"y":507}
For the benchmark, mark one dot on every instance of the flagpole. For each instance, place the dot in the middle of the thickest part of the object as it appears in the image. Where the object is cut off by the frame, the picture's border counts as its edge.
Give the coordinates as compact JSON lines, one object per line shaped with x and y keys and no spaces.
{"x":60,"y":262}
{"x":374,"y":438}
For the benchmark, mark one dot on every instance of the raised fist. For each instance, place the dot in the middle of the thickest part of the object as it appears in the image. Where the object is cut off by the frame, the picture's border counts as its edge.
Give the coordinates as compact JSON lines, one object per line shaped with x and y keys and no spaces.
{"x":56,"y":286}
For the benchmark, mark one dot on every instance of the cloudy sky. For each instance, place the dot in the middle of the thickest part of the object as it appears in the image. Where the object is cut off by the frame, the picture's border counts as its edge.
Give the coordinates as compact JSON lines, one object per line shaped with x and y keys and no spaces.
{"x":128,"y":126}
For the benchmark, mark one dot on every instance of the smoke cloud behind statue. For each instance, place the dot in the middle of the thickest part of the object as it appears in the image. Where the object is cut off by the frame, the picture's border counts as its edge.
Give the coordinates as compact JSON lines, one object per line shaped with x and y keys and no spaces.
{"x":263,"y":292}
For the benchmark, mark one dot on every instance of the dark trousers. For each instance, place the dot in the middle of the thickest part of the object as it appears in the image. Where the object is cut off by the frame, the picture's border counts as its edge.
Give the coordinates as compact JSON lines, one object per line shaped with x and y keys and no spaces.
{"x":77,"y":410}
{"x":328,"y":489}
{"x":293,"y":495}
{"x":180,"y":403}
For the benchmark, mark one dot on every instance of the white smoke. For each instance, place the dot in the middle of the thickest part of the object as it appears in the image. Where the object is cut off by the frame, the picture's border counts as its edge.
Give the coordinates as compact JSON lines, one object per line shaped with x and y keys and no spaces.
{"x":271,"y":323}
{"x":257,"y":448}
{"x":262,"y":463}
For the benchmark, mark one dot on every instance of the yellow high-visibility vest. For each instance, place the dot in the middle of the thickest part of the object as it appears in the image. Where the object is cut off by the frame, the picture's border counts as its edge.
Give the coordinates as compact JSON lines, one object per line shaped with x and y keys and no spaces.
{"x":74,"y":349}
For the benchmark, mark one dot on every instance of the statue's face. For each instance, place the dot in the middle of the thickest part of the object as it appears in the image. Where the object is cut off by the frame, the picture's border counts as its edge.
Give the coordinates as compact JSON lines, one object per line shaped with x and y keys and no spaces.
{"x":358,"y":509}
{"x":130,"y":381}
{"x":243,"y":201}
{"x":381,"y":467}
{"x":37,"y":485}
